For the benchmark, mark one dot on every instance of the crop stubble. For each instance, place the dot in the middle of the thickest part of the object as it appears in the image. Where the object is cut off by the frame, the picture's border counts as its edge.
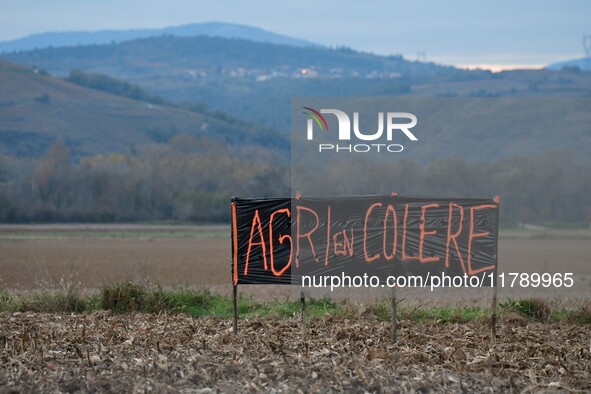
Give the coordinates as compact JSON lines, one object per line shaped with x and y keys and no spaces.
{"x":139,"y":353}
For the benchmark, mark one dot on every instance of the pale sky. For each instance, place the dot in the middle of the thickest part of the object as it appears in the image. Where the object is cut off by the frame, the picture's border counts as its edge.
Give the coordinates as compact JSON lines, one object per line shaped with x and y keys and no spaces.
{"x":458,"y":32}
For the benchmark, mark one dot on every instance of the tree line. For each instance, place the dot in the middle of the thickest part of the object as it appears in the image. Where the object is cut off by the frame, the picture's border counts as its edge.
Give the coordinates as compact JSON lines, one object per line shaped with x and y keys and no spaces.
{"x":189,"y":179}
{"x":192,"y":179}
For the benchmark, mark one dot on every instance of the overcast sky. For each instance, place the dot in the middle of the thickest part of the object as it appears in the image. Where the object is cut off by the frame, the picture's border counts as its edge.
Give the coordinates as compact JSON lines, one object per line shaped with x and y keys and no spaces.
{"x":459,"y":32}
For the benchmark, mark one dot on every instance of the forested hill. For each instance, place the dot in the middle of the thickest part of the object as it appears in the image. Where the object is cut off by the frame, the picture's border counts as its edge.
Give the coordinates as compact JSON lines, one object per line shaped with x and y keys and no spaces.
{"x":250,"y":80}
{"x":206,"y":56}
{"x":257,"y":81}
{"x":37,"y":109}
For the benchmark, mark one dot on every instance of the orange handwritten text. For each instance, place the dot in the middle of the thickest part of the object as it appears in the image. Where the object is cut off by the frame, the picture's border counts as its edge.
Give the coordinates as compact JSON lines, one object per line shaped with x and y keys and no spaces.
{"x":282,"y":238}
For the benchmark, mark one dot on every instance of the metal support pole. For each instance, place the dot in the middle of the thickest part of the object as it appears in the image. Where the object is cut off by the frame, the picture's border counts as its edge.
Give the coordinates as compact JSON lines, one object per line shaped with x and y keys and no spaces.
{"x":235,"y":304}
{"x":303,"y":312}
{"x":393,"y":328}
{"x":493,"y":318}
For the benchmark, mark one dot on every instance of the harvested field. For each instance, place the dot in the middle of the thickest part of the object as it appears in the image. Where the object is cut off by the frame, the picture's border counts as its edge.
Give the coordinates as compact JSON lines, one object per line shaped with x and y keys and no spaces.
{"x":346,"y":351}
{"x":140,"y":353}
{"x":90,"y":256}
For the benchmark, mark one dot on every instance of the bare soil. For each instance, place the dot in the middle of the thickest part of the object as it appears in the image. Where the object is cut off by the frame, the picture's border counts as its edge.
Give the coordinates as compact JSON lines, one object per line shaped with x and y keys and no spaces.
{"x":89,"y":256}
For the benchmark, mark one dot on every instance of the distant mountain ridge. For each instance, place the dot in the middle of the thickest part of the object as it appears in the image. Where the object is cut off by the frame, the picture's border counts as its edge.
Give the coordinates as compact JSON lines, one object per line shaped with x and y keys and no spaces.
{"x":584,"y":64}
{"x":212,"y":29}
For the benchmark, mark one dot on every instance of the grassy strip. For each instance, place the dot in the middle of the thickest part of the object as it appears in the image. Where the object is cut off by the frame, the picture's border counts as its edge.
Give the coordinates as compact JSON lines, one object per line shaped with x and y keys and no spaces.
{"x":128,"y":297}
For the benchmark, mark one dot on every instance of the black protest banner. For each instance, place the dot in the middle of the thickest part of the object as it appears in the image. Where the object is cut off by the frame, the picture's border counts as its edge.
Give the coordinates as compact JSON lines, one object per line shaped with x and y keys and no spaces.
{"x":280,"y":240}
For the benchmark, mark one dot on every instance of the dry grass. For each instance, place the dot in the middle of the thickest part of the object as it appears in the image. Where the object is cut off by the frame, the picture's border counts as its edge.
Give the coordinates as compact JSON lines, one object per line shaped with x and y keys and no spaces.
{"x":533,"y":307}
